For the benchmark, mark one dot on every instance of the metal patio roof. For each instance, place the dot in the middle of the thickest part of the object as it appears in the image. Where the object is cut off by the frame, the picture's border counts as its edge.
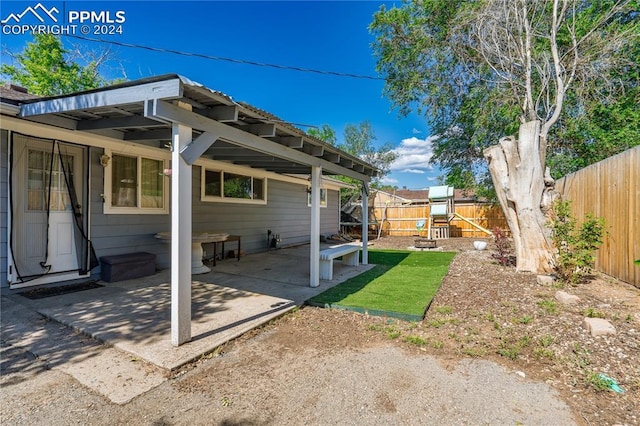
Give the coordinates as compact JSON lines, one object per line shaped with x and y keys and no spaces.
{"x":128,"y":112}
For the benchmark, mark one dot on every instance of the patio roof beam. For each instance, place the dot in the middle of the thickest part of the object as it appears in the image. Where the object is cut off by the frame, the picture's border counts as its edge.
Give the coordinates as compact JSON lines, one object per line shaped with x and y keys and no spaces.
{"x":195,"y":149}
{"x":222,"y":113}
{"x":346,"y":162}
{"x":130,"y":122}
{"x":166,"y":89}
{"x":266,"y":130}
{"x":150,"y":135}
{"x":317,"y":151}
{"x":291,"y":141}
{"x":334,"y":157}
{"x":165,"y":111}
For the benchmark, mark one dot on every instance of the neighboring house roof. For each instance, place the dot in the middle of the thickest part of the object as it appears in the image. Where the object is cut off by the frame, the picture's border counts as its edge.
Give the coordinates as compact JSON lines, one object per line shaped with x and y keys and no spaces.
{"x":130,"y":112}
{"x":422,"y":195}
{"x":14,"y":93}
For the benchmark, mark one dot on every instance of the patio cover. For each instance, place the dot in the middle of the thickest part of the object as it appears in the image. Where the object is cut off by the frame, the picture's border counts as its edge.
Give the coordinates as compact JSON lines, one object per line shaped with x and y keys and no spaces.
{"x":195,"y":122}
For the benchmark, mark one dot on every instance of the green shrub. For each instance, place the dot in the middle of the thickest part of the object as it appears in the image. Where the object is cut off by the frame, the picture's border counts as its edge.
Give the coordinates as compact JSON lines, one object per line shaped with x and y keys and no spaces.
{"x":576,"y":245}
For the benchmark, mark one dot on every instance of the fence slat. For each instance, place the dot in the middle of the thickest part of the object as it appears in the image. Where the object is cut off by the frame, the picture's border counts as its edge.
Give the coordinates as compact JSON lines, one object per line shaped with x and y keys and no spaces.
{"x":610,"y":189}
{"x":401,"y":219}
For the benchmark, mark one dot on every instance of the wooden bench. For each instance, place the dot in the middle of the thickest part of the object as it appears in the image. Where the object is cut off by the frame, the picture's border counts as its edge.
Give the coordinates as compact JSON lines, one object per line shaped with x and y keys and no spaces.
{"x":350,"y":256}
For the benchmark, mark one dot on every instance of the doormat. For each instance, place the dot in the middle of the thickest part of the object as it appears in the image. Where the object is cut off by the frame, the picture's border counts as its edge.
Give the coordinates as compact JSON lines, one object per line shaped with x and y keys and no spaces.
{"x":41,"y":293}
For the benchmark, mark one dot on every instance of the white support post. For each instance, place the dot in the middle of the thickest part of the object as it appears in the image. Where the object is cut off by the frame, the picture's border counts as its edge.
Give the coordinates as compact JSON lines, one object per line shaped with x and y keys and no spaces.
{"x":365,"y":223}
{"x":314,"y":256}
{"x":180,"y":237}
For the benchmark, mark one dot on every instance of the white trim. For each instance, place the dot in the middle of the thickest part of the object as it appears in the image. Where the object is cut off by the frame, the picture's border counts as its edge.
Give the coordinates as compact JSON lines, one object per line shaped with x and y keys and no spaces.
{"x":98,"y":141}
{"x":82,"y":138}
{"x":106,"y":195}
{"x":222,"y":199}
{"x":109,"y":97}
{"x":48,"y":279}
{"x":324,"y":191}
{"x":12,"y":273}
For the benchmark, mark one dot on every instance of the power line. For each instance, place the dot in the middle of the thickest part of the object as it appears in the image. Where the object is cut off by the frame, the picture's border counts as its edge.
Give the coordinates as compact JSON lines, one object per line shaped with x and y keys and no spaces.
{"x":222,"y":58}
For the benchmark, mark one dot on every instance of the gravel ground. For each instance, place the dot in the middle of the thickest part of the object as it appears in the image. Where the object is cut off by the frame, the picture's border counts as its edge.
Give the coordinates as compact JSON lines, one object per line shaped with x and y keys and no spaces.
{"x":466,"y":363}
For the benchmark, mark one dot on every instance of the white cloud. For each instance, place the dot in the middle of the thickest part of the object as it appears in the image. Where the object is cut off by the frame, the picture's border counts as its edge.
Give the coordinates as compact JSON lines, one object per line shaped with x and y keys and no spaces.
{"x":414,"y":171}
{"x":413,"y":154}
{"x":416,"y":131}
{"x":388,"y":180}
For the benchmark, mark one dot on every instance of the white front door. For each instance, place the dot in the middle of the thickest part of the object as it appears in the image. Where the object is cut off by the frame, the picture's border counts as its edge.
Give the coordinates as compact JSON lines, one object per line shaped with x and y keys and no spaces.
{"x":43,"y":228}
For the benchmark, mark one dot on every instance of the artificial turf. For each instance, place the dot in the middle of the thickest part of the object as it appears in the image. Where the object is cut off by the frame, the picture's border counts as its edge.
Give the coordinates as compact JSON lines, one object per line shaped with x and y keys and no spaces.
{"x":402,"y":282}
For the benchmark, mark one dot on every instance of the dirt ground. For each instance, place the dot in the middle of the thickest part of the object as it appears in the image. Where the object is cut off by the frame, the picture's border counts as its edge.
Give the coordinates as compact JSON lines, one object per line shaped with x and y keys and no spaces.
{"x":484,"y":310}
{"x":495,"y":347}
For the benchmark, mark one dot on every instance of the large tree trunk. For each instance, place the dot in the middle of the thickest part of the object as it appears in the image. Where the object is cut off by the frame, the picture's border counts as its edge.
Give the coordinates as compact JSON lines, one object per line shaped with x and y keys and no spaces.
{"x":523,"y":189}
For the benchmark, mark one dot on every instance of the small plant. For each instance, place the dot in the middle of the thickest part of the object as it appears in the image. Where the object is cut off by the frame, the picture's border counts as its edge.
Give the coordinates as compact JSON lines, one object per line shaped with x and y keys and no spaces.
{"x":510,"y":352}
{"x":444,"y":309}
{"x":503,"y":252}
{"x":415,"y":340}
{"x":437,"y":344}
{"x":474,"y":353}
{"x":546,"y":341}
{"x":543,"y":353}
{"x":576,"y":245}
{"x":437,"y":323}
{"x":598,"y":382}
{"x":582,"y":355}
{"x":592,"y":313}
{"x":549,"y":306}
{"x":524,"y":341}
{"x":525,"y":319}
{"x":392,"y":332}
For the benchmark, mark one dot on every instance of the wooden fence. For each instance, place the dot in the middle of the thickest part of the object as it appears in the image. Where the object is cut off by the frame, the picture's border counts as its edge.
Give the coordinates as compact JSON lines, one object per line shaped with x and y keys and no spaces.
{"x":611,"y":189}
{"x":401,"y":220}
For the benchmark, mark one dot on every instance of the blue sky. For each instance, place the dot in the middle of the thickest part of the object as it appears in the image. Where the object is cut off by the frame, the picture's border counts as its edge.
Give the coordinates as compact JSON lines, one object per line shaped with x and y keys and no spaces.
{"x":321,"y":35}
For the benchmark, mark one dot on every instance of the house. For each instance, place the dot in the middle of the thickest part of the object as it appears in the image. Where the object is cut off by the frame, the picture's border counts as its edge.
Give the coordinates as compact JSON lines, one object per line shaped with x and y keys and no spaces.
{"x":102,"y":172}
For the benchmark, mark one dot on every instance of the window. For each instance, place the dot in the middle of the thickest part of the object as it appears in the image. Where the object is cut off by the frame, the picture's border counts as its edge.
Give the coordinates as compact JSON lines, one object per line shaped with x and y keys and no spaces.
{"x":323,"y":197}
{"x":42,"y":171}
{"x":232,"y":187}
{"x":136,"y":185}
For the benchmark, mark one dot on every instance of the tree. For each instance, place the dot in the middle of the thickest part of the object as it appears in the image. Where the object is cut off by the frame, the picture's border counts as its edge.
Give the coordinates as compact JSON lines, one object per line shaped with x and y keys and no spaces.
{"x":359,"y":142}
{"x":324,"y":133}
{"x":480,"y":70}
{"x":45,"y":68}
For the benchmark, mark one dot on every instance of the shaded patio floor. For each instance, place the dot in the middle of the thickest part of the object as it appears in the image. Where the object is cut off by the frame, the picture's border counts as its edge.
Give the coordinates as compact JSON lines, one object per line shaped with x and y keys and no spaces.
{"x":235,"y":297}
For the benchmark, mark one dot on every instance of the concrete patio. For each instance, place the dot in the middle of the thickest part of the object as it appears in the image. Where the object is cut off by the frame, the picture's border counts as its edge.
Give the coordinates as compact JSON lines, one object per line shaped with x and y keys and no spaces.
{"x":235,"y":297}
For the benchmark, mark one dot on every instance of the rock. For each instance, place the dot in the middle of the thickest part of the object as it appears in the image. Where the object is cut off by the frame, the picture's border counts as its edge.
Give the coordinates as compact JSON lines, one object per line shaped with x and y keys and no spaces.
{"x":521,"y":374}
{"x":545,"y":279}
{"x":599,"y":327}
{"x":566,"y":298}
